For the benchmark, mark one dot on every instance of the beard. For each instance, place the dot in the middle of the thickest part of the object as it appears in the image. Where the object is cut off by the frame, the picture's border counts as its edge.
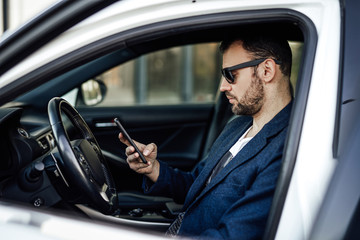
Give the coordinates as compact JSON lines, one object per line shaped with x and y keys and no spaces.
{"x":252,"y":101}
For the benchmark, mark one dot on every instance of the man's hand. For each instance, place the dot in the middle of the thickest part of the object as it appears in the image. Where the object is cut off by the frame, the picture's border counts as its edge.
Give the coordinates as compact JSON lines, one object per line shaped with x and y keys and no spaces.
{"x":152,"y":168}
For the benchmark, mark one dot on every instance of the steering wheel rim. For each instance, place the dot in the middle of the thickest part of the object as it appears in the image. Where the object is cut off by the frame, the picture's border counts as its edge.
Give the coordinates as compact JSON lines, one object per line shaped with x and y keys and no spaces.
{"x":82,"y":162}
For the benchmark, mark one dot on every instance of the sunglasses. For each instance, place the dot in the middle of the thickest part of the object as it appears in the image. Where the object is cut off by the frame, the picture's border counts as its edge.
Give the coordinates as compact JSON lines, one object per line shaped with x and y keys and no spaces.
{"x":227,"y":72}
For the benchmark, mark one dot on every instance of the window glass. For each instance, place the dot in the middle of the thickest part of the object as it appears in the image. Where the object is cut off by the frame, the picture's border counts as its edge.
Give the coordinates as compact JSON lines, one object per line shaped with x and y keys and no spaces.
{"x":187,"y":74}
{"x":296,"y":49}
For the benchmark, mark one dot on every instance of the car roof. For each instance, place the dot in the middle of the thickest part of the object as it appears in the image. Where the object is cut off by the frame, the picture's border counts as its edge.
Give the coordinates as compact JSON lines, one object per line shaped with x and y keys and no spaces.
{"x":44,"y":27}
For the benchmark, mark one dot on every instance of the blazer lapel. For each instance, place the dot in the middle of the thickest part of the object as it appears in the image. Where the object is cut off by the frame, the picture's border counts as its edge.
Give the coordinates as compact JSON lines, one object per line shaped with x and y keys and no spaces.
{"x":250,"y":149}
{"x":224,"y":145}
{"x":277,"y":124}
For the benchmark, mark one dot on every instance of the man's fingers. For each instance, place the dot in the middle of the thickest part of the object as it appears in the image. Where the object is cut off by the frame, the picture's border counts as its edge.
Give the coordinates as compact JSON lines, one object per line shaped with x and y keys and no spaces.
{"x":149,"y":149}
{"x":129,"y":150}
{"x":123,"y":139}
{"x":136,"y":164}
{"x":139,"y":145}
{"x":138,"y":167}
{"x":133,"y":156}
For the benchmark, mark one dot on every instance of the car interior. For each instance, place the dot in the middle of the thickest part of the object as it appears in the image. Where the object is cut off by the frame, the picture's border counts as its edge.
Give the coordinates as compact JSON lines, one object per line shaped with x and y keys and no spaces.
{"x":44,"y":139}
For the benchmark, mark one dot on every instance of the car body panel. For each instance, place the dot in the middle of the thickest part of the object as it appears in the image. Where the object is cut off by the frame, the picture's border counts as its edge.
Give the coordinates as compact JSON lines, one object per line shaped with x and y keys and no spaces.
{"x":21,"y":222}
{"x":315,"y":162}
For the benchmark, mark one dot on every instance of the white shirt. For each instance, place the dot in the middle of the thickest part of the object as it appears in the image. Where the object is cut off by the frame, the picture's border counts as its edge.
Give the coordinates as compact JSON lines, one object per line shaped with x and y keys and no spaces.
{"x":235,"y":149}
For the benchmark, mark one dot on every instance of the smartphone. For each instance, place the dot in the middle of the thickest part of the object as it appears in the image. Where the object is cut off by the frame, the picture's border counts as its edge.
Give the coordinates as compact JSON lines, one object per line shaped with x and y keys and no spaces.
{"x":127,"y":136}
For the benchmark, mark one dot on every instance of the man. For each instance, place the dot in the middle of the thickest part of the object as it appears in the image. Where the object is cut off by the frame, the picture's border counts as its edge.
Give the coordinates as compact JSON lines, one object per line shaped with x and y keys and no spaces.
{"x":229,"y":194}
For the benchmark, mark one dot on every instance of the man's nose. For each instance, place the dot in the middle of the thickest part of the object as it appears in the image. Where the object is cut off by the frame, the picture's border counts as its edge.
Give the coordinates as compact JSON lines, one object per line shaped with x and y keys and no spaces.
{"x":224,"y":86}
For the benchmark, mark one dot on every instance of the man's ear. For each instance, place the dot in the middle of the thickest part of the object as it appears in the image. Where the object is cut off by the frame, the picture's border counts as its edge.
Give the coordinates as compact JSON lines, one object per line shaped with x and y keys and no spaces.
{"x":268,"y":70}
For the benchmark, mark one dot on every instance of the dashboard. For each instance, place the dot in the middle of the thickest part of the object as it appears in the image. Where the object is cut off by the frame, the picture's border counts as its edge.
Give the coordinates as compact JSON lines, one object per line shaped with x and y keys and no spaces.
{"x":22,"y":147}
{"x":18,"y":147}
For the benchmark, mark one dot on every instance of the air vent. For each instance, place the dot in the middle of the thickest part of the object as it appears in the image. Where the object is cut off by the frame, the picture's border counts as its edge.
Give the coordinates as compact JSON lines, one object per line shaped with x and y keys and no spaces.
{"x":50,"y":140}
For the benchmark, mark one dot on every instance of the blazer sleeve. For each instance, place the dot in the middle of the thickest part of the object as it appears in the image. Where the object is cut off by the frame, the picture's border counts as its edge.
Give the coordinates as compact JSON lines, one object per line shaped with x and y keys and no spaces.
{"x":172,"y":182}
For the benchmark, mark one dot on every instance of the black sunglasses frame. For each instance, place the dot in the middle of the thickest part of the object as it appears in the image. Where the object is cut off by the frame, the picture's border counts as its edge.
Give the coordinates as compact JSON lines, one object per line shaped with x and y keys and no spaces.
{"x":226,"y":72}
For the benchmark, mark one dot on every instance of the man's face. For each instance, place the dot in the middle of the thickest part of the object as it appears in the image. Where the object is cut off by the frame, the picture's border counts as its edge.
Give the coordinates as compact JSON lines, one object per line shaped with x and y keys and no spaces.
{"x":246,"y":94}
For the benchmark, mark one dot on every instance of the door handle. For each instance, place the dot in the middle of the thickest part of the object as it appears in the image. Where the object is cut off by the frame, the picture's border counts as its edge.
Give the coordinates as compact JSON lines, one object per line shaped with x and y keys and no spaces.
{"x":104,"y":123}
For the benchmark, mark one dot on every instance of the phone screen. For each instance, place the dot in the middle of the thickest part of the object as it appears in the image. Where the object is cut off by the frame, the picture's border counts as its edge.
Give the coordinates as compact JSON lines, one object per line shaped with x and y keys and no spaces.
{"x":127,"y":136}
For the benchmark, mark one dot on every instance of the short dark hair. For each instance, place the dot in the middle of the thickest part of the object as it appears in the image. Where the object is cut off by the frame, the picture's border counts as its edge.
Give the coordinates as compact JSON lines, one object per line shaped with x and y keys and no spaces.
{"x":263,"y":46}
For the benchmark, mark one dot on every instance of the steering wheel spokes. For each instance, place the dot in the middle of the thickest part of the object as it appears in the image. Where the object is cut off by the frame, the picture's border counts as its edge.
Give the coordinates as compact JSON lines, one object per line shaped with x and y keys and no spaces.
{"x":82,"y":160}
{"x":103,"y":192}
{"x":88,"y":160}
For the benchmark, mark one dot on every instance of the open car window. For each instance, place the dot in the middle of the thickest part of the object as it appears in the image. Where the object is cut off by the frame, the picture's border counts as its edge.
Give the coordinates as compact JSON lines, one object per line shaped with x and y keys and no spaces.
{"x":184,"y":74}
{"x":178,"y":75}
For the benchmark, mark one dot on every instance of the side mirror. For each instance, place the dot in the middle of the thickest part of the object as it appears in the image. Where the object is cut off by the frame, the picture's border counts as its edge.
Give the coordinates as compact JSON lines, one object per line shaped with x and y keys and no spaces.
{"x":92,"y":92}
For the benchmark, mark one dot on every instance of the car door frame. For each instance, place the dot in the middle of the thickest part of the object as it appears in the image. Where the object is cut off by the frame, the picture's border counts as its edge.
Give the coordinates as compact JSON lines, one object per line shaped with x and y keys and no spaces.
{"x":310,"y":40}
{"x":43,"y":28}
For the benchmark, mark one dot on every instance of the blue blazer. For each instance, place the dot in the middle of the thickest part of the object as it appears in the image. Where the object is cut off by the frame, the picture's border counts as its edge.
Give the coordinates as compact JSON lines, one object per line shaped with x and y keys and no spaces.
{"x":236,"y":203}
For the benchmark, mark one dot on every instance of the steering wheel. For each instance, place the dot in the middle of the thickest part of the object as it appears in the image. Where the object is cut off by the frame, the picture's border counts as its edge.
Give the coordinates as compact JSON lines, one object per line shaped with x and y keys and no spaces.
{"x":82,"y":163}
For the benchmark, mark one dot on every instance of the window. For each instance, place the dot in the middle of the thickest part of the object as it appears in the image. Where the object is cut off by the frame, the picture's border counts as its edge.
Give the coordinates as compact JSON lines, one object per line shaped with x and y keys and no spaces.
{"x":178,"y":75}
{"x":187,"y":74}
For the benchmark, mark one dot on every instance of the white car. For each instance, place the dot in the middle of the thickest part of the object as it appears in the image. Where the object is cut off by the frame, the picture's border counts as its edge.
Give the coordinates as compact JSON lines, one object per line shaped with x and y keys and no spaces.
{"x":156,"y":67}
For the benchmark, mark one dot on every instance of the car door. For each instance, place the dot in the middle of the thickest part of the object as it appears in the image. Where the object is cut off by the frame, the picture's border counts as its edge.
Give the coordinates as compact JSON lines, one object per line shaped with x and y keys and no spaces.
{"x":169,"y":123}
{"x":186,"y":120}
